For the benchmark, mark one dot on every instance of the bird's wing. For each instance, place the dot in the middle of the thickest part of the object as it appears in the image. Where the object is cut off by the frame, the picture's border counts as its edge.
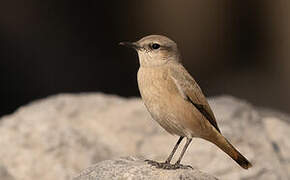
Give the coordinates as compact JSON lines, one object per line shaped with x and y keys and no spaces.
{"x":192,"y":93}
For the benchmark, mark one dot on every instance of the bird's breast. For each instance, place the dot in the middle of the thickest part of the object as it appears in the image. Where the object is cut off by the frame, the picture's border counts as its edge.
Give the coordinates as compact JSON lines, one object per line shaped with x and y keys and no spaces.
{"x":165,"y":103}
{"x":155,"y":84}
{"x":160,"y":97}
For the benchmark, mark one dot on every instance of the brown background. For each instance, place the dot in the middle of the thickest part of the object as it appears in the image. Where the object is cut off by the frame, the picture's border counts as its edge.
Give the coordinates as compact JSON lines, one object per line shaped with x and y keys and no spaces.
{"x":239,"y":48}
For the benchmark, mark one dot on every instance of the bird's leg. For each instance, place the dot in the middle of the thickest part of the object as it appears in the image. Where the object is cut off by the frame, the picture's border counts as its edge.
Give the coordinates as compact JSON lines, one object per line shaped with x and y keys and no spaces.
{"x":166,"y":164}
{"x":174,"y":150}
{"x":177,"y":164}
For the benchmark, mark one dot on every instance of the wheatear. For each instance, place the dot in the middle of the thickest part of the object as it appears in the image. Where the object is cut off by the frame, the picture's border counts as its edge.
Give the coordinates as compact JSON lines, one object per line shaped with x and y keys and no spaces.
{"x":175,"y":100}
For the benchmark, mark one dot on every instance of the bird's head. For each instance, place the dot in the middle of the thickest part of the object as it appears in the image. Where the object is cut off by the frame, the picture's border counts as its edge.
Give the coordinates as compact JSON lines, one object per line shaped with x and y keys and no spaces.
{"x":155,"y":50}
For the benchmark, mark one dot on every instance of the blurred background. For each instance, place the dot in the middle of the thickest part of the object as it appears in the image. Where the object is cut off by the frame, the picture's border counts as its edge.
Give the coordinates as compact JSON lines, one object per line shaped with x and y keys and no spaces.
{"x":239,"y":48}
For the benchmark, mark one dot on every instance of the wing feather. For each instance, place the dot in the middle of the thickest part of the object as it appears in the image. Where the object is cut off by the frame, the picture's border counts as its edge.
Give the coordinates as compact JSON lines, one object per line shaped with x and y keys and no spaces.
{"x":192,"y":93}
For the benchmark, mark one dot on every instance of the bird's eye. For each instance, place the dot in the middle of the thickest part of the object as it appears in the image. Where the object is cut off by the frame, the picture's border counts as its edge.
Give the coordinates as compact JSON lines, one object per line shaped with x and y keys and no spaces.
{"x":155,"y":46}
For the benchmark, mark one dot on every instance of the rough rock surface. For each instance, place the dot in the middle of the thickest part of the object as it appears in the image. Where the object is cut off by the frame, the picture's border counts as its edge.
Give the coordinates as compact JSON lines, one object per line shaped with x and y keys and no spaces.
{"x":57,"y":137}
{"x":136,"y":169}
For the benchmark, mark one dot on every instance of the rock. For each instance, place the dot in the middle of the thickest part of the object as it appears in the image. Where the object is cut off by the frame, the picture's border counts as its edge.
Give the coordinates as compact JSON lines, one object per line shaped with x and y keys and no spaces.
{"x":57,"y":137}
{"x":135,"y":169}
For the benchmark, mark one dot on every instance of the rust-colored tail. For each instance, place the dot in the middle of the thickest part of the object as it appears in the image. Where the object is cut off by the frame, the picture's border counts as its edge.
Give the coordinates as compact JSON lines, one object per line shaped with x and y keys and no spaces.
{"x":226,"y":146}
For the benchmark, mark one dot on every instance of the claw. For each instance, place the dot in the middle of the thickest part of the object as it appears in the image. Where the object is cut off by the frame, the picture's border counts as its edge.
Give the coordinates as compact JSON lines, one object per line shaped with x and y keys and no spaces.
{"x":166,"y":165}
{"x":181,"y":166}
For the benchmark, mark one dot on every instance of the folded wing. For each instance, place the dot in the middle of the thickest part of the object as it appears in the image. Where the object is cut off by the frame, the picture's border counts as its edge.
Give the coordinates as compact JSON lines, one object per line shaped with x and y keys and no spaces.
{"x":192,"y":93}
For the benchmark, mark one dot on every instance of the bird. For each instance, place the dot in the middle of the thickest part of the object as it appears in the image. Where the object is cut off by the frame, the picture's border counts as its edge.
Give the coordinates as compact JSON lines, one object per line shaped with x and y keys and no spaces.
{"x":175,"y":100}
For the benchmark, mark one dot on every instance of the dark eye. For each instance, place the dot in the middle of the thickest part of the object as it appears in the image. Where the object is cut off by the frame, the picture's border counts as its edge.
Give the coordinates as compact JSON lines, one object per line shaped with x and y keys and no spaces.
{"x":155,"y":46}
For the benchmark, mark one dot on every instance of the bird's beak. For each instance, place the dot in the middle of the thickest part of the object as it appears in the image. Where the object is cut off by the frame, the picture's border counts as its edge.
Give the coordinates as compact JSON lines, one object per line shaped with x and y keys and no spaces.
{"x":133,"y":45}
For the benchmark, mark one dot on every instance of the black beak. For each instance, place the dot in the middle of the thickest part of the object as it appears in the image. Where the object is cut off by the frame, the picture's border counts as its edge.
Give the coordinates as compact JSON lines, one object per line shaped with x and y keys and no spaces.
{"x":133,"y":45}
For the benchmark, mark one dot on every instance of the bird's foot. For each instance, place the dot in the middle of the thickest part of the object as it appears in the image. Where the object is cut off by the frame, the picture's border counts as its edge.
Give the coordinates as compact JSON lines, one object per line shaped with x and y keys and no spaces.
{"x":181,"y":166}
{"x":166,"y":165}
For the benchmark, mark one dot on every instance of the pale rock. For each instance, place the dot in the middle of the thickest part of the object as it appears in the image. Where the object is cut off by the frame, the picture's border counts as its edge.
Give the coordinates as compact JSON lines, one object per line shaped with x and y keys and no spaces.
{"x":131,"y":168}
{"x":57,"y":137}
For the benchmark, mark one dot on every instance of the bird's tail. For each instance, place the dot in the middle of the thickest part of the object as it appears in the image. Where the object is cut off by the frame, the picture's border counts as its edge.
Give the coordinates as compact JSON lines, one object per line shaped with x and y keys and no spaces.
{"x":228,"y":148}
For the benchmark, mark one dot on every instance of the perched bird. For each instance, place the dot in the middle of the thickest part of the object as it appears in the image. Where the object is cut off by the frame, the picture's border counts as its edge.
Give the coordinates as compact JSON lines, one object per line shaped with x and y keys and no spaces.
{"x":175,"y":100}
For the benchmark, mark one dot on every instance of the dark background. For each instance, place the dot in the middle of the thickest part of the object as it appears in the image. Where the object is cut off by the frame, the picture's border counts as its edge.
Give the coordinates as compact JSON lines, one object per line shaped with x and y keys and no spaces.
{"x":47,"y":47}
